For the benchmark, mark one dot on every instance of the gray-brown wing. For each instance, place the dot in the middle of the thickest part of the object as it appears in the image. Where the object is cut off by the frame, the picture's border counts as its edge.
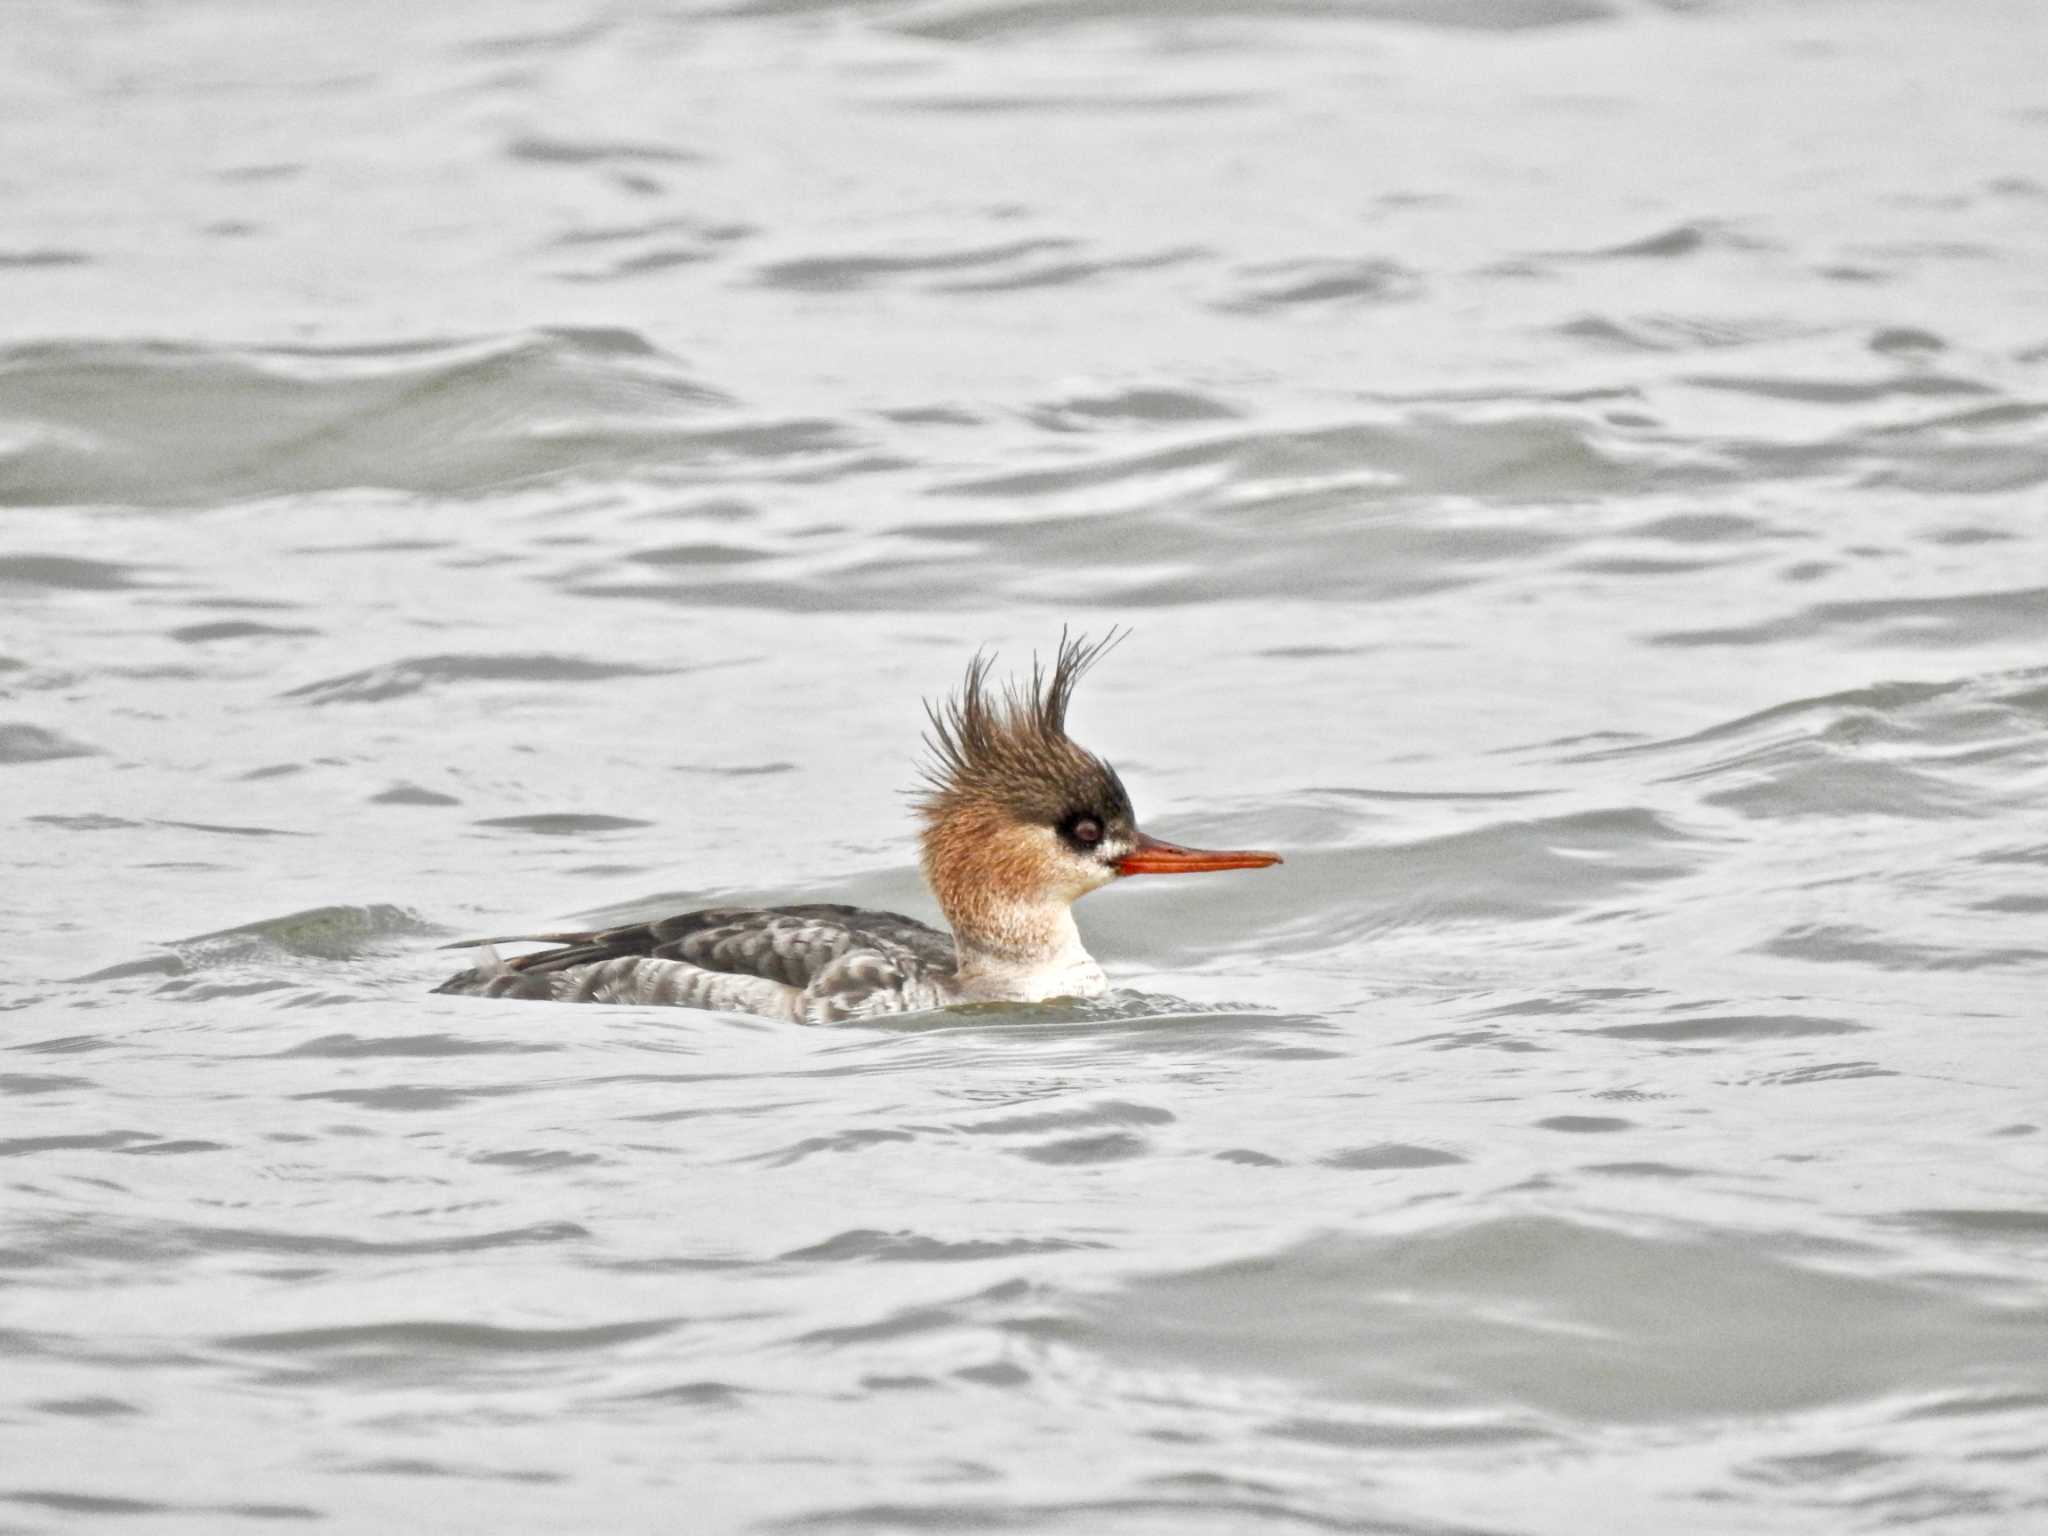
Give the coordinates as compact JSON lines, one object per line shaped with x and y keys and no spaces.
{"x":870,"y":982}
{"x":791,"y":945}
{"x":933,"y":947}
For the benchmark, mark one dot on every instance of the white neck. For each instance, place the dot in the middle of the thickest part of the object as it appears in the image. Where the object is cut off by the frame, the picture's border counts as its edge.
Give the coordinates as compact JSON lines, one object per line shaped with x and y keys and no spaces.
{"x":1028,"y":959}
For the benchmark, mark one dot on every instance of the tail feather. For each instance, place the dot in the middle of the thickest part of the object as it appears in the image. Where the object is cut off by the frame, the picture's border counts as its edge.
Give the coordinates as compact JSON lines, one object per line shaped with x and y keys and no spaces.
{"x":521,"y":938}
{"x":494,"y":976}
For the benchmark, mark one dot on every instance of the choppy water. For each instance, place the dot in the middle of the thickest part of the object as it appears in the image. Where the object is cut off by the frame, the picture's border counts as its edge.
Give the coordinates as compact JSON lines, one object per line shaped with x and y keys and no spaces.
{"x":1579,"y":473}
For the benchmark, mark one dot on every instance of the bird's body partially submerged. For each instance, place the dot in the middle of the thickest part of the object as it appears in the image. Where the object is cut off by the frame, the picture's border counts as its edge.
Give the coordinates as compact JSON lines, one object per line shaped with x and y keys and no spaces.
{"x":816,"y":964}
{"x":1019,"y":823}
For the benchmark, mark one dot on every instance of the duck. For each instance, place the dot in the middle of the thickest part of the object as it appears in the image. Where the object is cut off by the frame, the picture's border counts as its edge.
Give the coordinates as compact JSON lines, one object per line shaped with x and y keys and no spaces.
{"x":1018,"y":822}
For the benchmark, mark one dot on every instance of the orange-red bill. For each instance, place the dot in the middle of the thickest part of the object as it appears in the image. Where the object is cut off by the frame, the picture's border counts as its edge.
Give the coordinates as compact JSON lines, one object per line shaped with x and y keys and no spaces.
{"x":1152,"y":857}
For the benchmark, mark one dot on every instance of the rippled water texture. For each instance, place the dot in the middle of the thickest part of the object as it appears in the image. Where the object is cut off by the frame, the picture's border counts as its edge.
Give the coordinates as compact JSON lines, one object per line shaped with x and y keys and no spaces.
{"x":1578,"y":472}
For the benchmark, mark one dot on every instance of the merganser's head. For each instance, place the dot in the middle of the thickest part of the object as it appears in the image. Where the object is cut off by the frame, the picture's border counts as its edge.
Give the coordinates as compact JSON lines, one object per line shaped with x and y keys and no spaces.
{"x":1018,"y":818}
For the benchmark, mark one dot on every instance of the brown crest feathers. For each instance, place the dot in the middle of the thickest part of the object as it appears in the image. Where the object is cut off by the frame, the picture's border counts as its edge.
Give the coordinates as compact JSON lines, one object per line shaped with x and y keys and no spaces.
{"x":990,"y":742}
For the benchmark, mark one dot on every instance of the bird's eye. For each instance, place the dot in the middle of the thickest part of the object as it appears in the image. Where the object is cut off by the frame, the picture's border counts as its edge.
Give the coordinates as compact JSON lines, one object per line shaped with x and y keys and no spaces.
{"x":1085,"y":830}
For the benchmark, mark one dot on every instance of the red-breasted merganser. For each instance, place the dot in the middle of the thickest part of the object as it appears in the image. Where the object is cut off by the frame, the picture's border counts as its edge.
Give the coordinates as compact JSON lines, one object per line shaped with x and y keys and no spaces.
{"x":1019,"y":824}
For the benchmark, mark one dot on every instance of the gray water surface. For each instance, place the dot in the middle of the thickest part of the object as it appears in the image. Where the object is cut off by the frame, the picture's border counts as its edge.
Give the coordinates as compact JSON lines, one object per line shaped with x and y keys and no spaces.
{"x":1578,"y":473}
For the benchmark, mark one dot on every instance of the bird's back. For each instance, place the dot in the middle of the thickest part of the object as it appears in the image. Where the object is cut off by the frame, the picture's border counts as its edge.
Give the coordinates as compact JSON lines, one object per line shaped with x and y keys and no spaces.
{"x":819,"y":963}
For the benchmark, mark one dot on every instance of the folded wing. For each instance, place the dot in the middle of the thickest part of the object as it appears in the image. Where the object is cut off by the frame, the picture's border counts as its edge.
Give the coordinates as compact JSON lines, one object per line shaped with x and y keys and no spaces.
{"x":818,"y":963}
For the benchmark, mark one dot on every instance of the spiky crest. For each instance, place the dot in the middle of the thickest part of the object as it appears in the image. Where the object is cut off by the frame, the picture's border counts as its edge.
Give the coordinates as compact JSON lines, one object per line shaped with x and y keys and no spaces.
{"x":1010,"y":744}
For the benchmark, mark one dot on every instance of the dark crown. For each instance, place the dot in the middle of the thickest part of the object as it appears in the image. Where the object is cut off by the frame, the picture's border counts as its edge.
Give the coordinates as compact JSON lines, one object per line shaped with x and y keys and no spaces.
{"x":1009,"y":746}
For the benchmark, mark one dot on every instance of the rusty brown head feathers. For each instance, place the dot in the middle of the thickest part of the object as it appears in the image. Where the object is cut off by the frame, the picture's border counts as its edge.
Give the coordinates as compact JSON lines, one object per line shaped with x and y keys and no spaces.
{"x":1006,"y":749}
{"x":1020,"y":821}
